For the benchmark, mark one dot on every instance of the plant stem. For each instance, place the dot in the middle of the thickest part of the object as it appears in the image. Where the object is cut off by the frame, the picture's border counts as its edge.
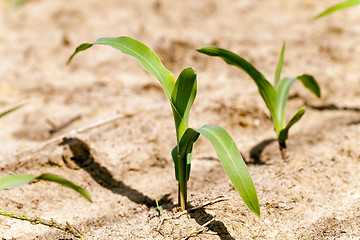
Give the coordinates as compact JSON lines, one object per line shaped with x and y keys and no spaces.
{"x":282,"y":147}
{"x":182,"y":181}
{"x":50,"y":223}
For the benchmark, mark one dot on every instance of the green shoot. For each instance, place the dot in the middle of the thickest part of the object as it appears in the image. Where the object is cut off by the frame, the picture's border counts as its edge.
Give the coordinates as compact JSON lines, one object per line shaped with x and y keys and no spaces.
{"x":10,"y":110}
{"x":181,"y":95}
{"x":339,"y":6}
{"x":158,"y":208}
{"x":11,"y":181}
{"x":275,"y":96}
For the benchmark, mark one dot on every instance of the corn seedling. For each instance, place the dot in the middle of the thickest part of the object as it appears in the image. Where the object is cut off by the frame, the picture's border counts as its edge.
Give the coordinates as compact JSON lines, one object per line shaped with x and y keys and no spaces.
{"x":181,"y":94}
{"x":275,"y":96}
{"x":339,"y":6}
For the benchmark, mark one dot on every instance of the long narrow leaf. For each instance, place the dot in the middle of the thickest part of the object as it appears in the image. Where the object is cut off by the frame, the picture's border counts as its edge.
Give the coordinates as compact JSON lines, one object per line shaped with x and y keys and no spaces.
{"x":281,"y":98}
{"x":64,"y":182}
{"x":310,"y":83}
{"x":146,"y":57}
{"x":183,"y":96}
{"x":284,"y":133}
{"x":279,"y":67}
{"x":11,"y":181}
{"x":10,"y":110}
{"x":337,"y":7}
{"x":233,"y":164}
{"x":265,"y":88}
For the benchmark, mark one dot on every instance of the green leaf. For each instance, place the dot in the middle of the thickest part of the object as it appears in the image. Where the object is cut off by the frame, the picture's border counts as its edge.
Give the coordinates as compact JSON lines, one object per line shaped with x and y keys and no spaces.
{"x":15,"y":180}
{"x":337,"y":7}
{"x":11,"y":181}
{"x":183,"y":97}
{"x":281,"y":98}
{"x":146,"y":57}
{"x":283,"y":135}
{"x":10,"y":110}
{"x":311,"y":84}
{"x":185,"y":147}
{"x":233,"y":164}
{"x":279,"y":67}
{"x":266,"y":90}
{"x":80,"y":48}
{"x":283,"y":92}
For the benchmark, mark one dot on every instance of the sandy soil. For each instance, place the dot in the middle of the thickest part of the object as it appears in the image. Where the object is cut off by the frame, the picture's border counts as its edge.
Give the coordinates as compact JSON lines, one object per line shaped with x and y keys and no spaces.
{"x":126,"y":163}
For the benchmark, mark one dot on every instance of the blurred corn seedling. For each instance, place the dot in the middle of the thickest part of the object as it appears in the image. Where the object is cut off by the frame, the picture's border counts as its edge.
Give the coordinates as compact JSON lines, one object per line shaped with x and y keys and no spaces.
{"x":338,"y":6}
{"x":275,"y":96}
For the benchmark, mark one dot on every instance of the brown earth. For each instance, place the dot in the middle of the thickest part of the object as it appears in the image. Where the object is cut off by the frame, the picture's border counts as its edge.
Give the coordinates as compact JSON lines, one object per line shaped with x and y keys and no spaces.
{"x":125,"y":163}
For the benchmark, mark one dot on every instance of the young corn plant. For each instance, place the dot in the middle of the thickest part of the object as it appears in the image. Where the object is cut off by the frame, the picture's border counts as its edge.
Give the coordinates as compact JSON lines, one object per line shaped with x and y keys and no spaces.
{"x":181,"y":95}
{"x":339,"y":6}
{"x":275,"y":96}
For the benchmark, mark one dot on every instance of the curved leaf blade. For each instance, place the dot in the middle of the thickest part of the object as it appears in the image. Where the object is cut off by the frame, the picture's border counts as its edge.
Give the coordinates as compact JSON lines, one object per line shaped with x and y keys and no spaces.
{"x":146,"y":57}
{"x":64,"y":182}
{"x":182,"y":97}
{"x":266,"y":90}
{"x":16,"y":180}
{"x":80,"y":48}
{"x":11,"y":181}
{"x":310,"y":83}
{"x":284,"y":133}
{"x":233,"y":164}
{"x":279,"y":67}
{"x":339,"y":6}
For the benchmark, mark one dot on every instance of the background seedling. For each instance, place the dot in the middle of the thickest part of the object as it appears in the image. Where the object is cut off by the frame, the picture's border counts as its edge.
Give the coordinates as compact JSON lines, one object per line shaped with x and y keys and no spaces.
{"x":181,"y":94}
{"x":339,"y":6}
{"x":275,"y":96}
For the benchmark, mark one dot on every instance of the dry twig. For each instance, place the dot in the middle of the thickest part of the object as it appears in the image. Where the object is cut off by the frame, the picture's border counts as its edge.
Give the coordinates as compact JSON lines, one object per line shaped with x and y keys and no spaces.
{"x":74,"y":132}
{"x":191,"y":209}
{"x":199,"y":230}
{"x":50,"y":223}
{"x":64,"y":125}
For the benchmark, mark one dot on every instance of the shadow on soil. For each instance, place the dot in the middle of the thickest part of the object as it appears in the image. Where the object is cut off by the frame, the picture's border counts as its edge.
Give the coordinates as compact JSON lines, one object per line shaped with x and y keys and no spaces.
{"x":83,"y":158}
{"x":202,"y":217}
{"x":333,"y":107}
{"x":255,"y":152}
